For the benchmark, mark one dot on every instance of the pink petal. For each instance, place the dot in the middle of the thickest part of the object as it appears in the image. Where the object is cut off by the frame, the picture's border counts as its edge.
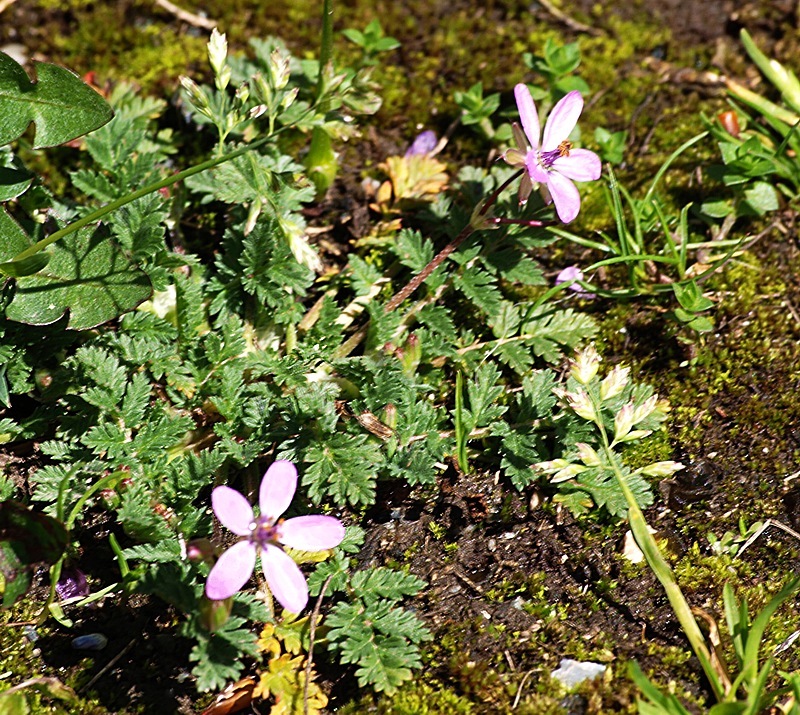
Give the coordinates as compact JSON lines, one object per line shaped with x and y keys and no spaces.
{"x":284,"y":579}
{"x":580,"y":165}
{"x":232,"y":509}
{"x":571,"y":274}
{"x":527,"y":114}
{"x":565,"y":197}
{"x":535,"y":170}
{"x":277,"y":489}
{"x":562,"y":120}
{"x":311,"y":533}
{"x":232,"y":571}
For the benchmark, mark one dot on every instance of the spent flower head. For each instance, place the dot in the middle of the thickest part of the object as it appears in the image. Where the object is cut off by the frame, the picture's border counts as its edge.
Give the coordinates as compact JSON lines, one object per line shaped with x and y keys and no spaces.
{"x":265,"y":535}
{"x":550,"y":159}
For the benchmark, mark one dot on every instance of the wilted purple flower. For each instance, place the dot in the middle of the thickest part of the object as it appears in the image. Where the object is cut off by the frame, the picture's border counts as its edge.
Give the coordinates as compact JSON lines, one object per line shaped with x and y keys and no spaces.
{"x":572,"y":274}
{"x":553,"y":163}
{"x":425,"y":143}
{"x":72,"y":584}
{"x":264,"y":534}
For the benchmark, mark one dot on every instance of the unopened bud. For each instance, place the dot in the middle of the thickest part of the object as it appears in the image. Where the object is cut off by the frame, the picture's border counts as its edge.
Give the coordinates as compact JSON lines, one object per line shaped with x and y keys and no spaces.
{"x":587,"y":454}
{"x":635,"y":434}
{"x":645,"y":409}
{"x":279,"y":69}
{"x":585,"y":365}
{"x":564,"y":475}
{"x":623,"y":422}
{"x":217,"y":51}
{"x":390,"y":416}
{"x":242,"y":94}
{"x":581,"y":405}
{"x":289,"y":97}
{"x":662,"y":469}
{"x":196,"y":94}
{"x":200,"y":550}
{"x":614,"y":383}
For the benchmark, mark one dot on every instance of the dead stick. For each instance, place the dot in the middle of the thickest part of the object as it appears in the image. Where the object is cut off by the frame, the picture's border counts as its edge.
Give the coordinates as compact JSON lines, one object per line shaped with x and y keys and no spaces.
{"x":311,"y":633}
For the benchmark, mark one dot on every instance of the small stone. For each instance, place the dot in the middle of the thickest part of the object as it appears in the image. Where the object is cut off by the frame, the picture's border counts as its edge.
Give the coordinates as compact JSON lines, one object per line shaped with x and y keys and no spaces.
{"x":91,"y":641}
{"x":631,"y":550}
{"x":571,"y":673}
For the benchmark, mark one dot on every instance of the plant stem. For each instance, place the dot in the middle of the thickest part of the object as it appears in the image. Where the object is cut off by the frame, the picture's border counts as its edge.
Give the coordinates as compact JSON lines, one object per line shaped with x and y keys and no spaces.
{"x":480,"y":219}
{"x":658,"y":564}
{"x":97,"y":214}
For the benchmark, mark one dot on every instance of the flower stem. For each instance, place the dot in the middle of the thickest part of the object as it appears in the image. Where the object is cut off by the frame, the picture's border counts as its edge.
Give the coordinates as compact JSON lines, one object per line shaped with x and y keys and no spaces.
{"x":658,"y":564}
{"x":481,"y":219}
{"x":97,"y":214}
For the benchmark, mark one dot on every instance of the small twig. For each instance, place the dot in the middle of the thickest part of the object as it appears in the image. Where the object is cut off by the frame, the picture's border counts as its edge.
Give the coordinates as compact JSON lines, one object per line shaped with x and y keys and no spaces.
{"x":311,"y":633}
{"x":108,"y":666}
{"x":184,"y":15}
{"x":522,"y":682}
{"x":570,"y":22}
{"x":764,"y":527}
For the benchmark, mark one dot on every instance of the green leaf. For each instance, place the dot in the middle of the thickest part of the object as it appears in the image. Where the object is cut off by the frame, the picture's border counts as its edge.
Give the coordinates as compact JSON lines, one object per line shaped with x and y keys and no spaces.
{"x":87,"y":276}
{"x":26,"y":538}
{"x":25,"y":267}
{"x":320,"y":161}
{"x":344,"y":468}
{"x":13,"y":240}
{"x":14,"y":177}
{"x":59,"y":102}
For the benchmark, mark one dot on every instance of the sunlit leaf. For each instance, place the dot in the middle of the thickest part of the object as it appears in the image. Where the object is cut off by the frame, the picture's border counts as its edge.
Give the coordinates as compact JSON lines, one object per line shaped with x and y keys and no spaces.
{"x":62,"y":106}
{"x":89,"y":276}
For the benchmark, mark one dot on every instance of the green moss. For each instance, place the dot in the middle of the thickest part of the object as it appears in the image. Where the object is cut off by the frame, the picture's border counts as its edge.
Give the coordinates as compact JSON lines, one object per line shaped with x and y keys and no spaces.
{"x":415,"y":698}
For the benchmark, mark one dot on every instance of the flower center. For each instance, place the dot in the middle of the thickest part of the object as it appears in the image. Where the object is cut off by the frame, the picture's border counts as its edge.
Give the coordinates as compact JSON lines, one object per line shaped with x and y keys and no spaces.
{"x":263,"y":532}
{"x":548,"y":157}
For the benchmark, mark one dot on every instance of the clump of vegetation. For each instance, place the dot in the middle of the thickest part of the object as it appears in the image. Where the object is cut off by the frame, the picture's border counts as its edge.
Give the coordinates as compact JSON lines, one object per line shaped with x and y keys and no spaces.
{"x":170,"y":330}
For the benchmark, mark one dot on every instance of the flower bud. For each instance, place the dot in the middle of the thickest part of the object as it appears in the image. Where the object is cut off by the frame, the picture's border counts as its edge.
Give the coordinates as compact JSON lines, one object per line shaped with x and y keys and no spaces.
{"x":289,"y":97}
{"x":635,"y":434}
{"x":585,"y":365}
{"x":582,"y":405}
{"x":623,"y":422}
{"x":563,"y":475}
{"x":217,"y":51}
{"x":278,"y":69}
{"x":645,"y":409}
{"x":614,"y":383}
{"x":662,"y":469}
{"x":551,"y":467}
{"x":199,"y":550}
{"x":587,"y":454}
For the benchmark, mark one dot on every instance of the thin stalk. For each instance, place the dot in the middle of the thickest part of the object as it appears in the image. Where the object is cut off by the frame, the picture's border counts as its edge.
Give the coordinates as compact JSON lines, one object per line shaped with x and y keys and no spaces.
{"x":480,"y":219}
{"x":97,"y":214}
{"x":658,"y":564}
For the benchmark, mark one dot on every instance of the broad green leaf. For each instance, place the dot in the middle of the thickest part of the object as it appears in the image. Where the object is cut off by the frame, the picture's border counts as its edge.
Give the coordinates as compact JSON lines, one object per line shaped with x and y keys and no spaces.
{"x":25,"y":267}
{"x":13,"y":239}
{"x":89,"y":276}
{"x":59,"y":102}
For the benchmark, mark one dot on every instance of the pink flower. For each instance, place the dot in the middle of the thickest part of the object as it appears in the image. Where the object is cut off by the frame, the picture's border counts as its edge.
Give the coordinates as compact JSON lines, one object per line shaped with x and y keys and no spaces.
{"x":553,"y":163}
{"x":572,"y":274}
{"x":264,"y":535}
